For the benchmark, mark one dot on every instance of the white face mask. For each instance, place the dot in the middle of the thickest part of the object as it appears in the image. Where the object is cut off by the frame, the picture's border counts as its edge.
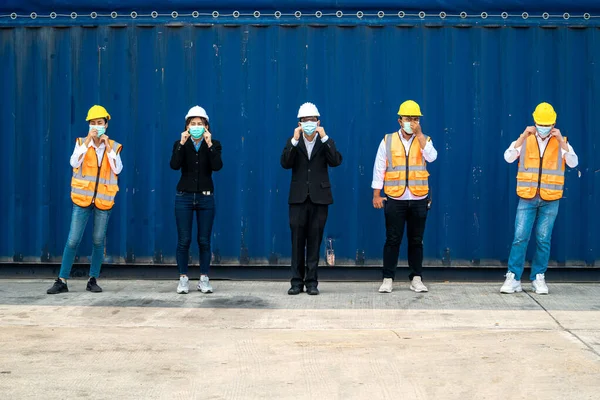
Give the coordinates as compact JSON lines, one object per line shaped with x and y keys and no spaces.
{"x":543,"y":131}
{"x":309,"y":127}
{"x":100,"y":128}
{"x":407,"y":128}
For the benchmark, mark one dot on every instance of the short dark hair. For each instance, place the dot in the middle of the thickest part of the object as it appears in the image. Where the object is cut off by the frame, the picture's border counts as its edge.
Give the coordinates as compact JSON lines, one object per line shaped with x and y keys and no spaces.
{"x":309,"y":116}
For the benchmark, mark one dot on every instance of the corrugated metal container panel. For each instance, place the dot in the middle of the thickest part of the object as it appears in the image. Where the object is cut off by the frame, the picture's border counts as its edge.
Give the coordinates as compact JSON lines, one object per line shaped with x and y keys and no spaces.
{"x":477,"y":87}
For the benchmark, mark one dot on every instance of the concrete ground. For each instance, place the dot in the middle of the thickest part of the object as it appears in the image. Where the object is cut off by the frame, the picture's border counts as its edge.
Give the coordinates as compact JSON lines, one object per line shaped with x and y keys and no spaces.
{"x":250,"y":340}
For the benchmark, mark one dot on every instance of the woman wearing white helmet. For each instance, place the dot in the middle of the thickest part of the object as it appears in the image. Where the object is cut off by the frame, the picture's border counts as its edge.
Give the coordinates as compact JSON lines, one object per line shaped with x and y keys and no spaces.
{"x":197,"y":155}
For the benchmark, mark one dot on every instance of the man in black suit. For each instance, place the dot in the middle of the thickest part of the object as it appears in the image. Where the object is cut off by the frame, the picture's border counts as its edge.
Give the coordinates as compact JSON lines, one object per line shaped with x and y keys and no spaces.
{"x":308,"y":154}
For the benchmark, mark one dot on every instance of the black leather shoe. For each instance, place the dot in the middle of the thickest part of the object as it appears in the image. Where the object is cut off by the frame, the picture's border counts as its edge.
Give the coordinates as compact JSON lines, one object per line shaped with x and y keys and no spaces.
{"x":92,"y":286}
{"x":313,"y":291}
{"x":294,"y":290}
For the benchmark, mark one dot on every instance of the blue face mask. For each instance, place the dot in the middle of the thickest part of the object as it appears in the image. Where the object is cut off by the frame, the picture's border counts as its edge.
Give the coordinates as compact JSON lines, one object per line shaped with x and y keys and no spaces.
{"x":543,"y":131}
{"x":407,"y":128}
{"x":196,"y":131}
{"x":309,"y":127}
{"x":99,"y":128}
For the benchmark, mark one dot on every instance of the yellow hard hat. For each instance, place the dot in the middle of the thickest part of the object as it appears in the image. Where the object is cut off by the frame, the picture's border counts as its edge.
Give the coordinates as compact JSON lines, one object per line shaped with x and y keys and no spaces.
{"x":409,"y":109}
{"x":544,"y":114}
{"x":97,"y":112}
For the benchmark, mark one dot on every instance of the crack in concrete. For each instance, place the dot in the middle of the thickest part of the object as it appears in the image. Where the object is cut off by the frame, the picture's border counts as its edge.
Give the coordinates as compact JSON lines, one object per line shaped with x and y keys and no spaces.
{"x":561,"y":326}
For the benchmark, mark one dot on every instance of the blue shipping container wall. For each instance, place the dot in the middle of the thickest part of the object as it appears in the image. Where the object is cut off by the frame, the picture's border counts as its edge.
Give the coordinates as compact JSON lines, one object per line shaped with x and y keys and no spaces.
{"x":477,"y":86}
{"x":68,"y":6}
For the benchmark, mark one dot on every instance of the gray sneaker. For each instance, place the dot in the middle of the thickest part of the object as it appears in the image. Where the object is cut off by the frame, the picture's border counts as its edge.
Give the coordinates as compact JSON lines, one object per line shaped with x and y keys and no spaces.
{"x":386,"y":286}
{"x":539,"y":285}
{"x":511,"y":285}
{"x":184,"y":285}
{"x":416,"y":285}
{"x":204,"y":285}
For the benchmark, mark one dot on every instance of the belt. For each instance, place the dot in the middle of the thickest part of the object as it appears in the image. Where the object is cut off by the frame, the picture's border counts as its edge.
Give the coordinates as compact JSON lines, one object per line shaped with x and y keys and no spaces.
{"x":207,"y":193}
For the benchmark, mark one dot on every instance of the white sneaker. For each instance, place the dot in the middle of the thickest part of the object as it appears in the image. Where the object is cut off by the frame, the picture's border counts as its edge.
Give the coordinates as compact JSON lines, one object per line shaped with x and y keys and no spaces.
{"x":204,"y":285}
{"x":417,"y":285}
{"x":511,"y":285}
{"x":539,"y":285}
{"x":386,"y":286}
{"x":184,"y":285}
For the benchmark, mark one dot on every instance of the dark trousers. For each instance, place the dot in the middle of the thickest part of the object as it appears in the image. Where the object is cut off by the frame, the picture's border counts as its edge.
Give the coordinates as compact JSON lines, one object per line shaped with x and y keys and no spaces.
{"x":204,"y":206}
{"x":307,"y":222}
{"x":413,"y":213}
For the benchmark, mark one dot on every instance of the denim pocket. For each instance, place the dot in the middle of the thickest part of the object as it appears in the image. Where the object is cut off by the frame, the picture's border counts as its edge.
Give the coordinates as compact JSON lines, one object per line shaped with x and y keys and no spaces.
{"x":180,"y":194}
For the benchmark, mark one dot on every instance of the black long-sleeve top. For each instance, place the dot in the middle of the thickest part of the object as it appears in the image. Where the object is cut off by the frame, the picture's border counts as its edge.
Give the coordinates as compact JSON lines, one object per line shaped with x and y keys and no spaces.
{"x":196,"y":167}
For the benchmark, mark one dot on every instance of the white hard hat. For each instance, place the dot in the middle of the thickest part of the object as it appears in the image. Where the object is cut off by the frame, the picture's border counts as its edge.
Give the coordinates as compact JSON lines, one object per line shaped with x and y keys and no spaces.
{"x":196,"y":111}
{"x":308,"y":110}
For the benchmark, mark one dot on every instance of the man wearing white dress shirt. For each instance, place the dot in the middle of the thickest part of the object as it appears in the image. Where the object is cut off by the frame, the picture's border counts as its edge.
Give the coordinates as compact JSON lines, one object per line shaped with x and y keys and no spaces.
{"x":542,"y":152}
{"x":400,"y":170}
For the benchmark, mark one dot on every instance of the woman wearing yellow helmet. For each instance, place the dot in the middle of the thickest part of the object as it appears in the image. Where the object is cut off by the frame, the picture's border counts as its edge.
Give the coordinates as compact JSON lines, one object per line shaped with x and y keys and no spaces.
{"x":96,"y":163}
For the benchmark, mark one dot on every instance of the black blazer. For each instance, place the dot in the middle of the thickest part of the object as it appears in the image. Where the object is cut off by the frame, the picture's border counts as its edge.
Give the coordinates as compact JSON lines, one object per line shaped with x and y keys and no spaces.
{"x":196,"y":167}
{"x":310,"y":177}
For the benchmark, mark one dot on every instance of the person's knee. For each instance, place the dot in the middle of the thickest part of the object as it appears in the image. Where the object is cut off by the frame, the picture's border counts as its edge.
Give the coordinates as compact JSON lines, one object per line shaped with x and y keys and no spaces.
{"x":204,"y":243}
{"x":393,"y":240}
{"x":183,"y":242}
{"x":521,"y":235}
{"x":543,"y":237}
{"x":72,"y":243}
{"x":415,"y":241}
{"x":98,"y":241}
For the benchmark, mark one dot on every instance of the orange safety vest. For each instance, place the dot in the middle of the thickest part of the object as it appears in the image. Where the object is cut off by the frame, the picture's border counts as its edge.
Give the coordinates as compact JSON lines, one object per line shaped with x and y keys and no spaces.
{"x":401,"y":173}
{"x":91,"y":184}
{"x":544,"y":174}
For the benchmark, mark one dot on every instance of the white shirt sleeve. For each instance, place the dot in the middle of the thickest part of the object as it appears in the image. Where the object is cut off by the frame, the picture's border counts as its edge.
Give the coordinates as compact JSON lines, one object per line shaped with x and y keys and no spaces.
{"x":295,"y":142}
{"x":512,"y":154}
{"x":325,"y":138}
{"x":429,"y":152}
{"x":379,"y":167}
{"x":570,"y":157}
{"x":76,"y":157}
{"x":115,"y":162}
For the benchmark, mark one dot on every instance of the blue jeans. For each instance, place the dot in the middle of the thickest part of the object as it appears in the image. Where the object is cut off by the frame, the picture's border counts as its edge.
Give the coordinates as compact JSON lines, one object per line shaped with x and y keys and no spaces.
{"x":185,"y":205}
{"x":528,"y":212}
{"x":79,"y":219}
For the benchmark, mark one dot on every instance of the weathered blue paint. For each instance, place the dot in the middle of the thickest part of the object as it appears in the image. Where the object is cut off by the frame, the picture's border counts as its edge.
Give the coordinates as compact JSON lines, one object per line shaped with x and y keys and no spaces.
{"x":477,"y":87}
{"x":67,"y":6}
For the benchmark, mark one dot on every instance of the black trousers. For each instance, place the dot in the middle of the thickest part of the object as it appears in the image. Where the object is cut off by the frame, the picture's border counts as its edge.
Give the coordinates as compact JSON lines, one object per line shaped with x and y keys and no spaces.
{"x":307,"y":222}
{"x":413,"y":214}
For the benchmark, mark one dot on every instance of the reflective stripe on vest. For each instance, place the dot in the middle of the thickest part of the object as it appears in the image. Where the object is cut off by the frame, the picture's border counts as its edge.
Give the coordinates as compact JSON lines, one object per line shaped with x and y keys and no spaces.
{"x":89,"y":193}
{"x":542,"y":185}
{"x":411,"y":182}
{"x":550,"y":184}
{"x":99,"y":185}
{"x":407,"y":170}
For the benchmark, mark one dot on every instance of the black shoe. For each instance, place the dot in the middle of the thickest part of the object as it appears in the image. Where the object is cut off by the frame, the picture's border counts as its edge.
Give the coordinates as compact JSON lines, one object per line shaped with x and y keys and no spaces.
{"x":294,"y":290}
{"x":92,"y":286}
{"x":58,"y":287}
{"x":313,"y":291}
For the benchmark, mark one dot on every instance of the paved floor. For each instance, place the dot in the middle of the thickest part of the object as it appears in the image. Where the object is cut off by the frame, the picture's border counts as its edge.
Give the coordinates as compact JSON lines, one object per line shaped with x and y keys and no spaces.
{"x":249,"y":340}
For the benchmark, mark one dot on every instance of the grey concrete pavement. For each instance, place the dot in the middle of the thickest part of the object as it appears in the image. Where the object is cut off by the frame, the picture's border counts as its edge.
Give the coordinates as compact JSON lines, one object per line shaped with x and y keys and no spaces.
{"x":250,"y":340}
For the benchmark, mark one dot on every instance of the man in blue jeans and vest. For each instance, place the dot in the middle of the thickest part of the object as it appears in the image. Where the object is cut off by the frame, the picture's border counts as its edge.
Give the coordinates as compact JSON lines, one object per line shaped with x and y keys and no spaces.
{"x":542,"y":152}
